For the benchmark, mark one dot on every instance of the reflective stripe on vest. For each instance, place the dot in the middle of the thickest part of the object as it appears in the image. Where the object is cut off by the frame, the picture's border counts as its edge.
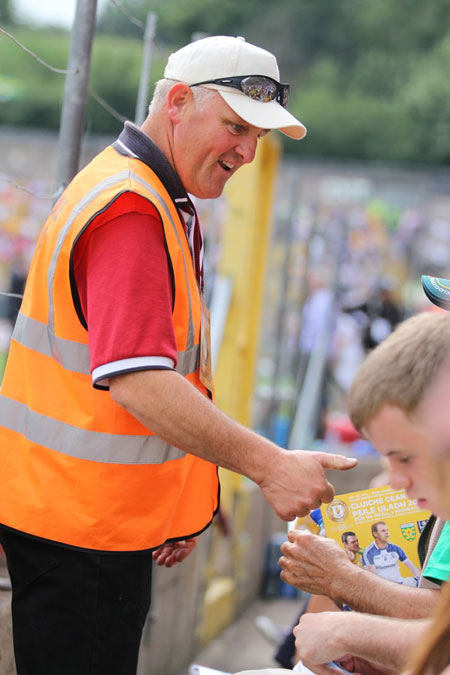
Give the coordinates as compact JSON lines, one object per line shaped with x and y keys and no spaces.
{"x":83,"y":444}
{"x":73,"y":355}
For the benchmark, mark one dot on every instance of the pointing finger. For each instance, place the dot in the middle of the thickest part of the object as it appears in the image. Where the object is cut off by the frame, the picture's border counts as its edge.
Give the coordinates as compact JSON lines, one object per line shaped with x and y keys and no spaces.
{"x":332,"y":461}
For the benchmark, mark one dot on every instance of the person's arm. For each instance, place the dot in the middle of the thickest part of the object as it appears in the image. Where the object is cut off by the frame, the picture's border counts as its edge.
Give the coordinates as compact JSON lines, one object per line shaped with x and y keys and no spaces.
{"x":125,"y":289}
{"x":354,"y":664}
{"x":410,"y":565}
{"x":319,"y":565}
{"x":370,"y":568}
{"x":446,"y":671}
{"x":293,"y":482}
{"x":331,"y":636}
{"x":366,"y":564}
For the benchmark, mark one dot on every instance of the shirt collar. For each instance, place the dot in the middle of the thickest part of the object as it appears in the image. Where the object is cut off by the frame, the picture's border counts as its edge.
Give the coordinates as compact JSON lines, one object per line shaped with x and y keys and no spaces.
{"x":381,"y":549}
{"x":135,"y":143}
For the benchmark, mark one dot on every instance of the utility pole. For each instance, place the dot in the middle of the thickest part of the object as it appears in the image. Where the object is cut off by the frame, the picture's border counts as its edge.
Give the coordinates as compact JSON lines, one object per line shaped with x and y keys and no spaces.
{"x":149,"y":37}
{"x":288,"y":236}
{"x":75,"y":93}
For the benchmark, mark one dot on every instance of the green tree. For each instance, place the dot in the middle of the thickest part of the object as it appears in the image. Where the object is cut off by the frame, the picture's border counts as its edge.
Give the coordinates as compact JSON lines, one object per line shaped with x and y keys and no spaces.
{"x":6,"y":12}
{"x":369,"y":79}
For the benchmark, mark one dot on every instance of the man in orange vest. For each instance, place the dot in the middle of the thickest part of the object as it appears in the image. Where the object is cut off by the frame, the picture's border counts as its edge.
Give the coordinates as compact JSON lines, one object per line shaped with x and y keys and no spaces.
{"x":109,"y":441}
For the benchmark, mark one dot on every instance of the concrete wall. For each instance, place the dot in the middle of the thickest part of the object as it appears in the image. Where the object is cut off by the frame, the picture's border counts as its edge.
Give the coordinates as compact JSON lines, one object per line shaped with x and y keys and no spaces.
{"x":30,"y":155}
{"x":6,"y":648}
{"x":195,"y":601}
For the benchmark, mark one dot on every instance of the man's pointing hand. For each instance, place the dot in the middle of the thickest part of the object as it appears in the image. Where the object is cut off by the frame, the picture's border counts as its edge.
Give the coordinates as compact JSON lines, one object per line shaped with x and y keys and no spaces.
{"x":295,"y":482}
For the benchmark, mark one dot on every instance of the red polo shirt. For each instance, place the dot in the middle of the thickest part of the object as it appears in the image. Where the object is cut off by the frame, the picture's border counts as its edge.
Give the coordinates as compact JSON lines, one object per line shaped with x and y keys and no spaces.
{"x":125,"y":289}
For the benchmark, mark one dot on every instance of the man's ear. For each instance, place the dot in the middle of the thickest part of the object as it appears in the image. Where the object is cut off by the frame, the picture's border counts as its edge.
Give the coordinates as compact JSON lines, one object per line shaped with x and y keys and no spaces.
{"x":178,"y":99}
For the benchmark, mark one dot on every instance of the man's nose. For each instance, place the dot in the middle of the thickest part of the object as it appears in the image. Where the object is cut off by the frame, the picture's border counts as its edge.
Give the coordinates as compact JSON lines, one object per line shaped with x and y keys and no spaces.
{"x":246,"y":148}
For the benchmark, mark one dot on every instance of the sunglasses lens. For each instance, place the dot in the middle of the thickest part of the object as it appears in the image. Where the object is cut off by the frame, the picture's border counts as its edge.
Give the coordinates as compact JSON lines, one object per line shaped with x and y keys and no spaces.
{"x":264,"y":89}
{"x":259,"y":88}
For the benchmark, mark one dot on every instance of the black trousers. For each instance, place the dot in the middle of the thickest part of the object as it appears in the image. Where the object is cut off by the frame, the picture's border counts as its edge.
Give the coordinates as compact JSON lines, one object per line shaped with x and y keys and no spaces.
{"x":75,"y":612}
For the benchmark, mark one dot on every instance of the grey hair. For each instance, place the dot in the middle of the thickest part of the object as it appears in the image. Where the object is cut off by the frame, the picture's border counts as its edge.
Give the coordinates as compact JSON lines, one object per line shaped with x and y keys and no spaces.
{"x":162,"y":87}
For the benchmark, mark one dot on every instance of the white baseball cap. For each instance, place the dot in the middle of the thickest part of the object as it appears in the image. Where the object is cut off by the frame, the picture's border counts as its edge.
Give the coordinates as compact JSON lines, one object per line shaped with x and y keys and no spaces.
{"x":222,"y":57}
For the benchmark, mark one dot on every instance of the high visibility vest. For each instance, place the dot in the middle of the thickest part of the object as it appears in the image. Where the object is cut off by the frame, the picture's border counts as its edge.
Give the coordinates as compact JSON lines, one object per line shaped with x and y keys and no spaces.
{"x":75,"y":467}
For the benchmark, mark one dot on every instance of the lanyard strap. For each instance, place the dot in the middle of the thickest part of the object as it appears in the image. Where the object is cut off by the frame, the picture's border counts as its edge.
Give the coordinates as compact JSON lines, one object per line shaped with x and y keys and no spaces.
{"x":194,"y":237}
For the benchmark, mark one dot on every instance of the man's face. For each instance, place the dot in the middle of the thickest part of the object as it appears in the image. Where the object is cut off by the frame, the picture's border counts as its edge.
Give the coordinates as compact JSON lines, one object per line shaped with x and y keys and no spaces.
{"x":210,"y":143}
{"x":382,"y":534}
{"x":408,"y":443}
{"x":352,"y":543}
{"x":434,"y":413}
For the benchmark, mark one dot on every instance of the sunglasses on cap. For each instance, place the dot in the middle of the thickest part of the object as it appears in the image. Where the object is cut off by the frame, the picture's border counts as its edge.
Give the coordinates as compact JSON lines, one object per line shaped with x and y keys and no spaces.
{"x":258,"y":87}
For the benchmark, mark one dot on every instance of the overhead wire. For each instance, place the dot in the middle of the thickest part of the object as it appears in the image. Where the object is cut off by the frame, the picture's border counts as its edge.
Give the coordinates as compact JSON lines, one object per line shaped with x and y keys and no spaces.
{"x":62,"y":71}
{"x":101,"y":101}
{"x":5,"y":179}
{"x":127,"y":13}
{"x":104,"y":104}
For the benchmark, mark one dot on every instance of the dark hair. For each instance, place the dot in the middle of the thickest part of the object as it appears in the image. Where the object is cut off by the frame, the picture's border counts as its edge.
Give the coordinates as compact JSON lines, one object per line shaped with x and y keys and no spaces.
{"x":344,"y":536}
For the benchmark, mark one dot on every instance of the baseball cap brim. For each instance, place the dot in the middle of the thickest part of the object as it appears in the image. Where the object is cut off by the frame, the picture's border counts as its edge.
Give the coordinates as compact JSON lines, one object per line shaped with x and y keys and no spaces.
{"x":437,"y":290}
{"x":269,"y":115}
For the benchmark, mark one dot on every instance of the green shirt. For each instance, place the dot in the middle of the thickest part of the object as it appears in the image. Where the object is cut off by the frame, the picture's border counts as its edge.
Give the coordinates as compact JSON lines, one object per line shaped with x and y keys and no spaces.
{"x":438,"y":567}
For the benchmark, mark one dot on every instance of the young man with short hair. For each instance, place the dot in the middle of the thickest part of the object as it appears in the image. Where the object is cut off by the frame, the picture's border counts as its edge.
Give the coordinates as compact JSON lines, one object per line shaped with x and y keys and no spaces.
{"x":400,"y":401}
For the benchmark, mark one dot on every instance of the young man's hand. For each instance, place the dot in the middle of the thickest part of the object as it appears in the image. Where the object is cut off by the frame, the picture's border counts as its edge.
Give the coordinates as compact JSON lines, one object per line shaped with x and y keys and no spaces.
{"x":313,"y":563}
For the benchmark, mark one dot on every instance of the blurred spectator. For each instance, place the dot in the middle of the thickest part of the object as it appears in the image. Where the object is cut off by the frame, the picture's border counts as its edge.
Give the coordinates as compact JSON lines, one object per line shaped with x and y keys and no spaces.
{"x":379,"y":315}
{"x":16,"y":287}
{"x":317,"y":328}
{"x":348,"y":350}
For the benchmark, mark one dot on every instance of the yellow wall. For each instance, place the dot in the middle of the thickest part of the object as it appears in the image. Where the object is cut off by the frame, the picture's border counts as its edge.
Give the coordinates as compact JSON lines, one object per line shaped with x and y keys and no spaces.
{"x":243,"y":259}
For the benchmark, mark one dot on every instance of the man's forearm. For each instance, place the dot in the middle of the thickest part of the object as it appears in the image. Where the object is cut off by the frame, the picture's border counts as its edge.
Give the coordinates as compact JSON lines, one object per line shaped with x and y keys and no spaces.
{"x":330,"y":636}
{"x":174,"y":410}
{"x":366,"y":592}
{"x":320,"y":566}
{"x":293,"y":482}
{"x":385,"y":641}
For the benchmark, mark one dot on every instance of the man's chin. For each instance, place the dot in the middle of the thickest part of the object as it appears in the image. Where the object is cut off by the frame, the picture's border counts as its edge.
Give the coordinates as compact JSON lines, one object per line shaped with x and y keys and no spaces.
{"x":209,"y":194}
